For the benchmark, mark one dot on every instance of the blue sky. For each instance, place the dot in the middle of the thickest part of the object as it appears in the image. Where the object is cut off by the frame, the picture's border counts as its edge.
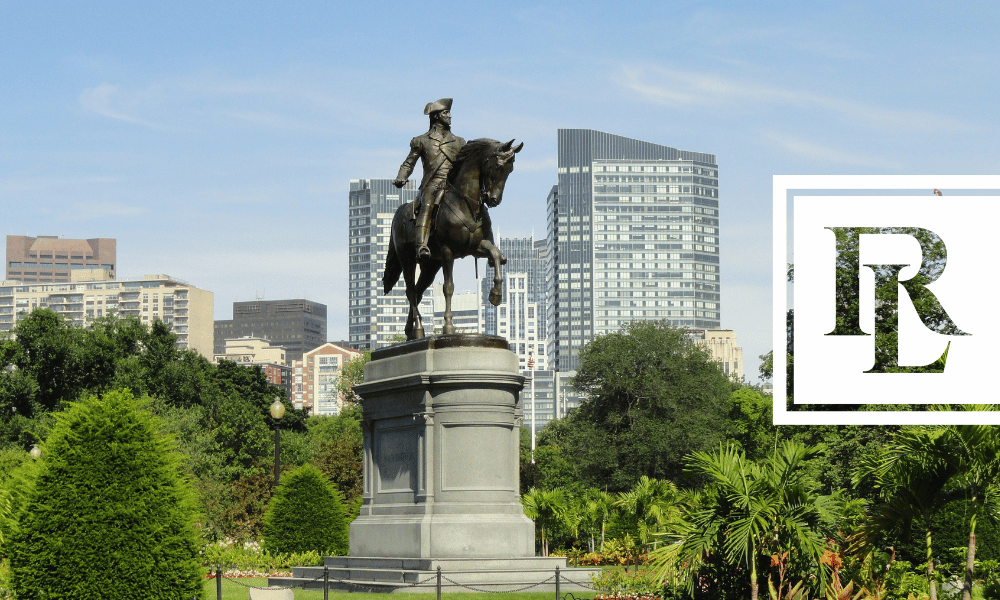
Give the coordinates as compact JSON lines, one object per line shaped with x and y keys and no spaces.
{"x":216,"y":141}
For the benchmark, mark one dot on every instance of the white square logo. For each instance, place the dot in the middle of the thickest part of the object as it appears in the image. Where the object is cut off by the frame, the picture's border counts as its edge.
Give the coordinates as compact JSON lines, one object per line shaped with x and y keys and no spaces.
{"x":891,"y":291}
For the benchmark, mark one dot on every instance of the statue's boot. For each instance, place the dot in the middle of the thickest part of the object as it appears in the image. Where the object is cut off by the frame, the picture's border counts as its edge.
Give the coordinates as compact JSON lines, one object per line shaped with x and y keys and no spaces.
{"x":422,"y":227}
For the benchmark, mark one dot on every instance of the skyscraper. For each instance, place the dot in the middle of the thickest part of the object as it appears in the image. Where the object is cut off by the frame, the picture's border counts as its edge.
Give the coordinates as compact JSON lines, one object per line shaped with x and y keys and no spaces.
{"x":633,"y":234}
{"x":375,"y":319}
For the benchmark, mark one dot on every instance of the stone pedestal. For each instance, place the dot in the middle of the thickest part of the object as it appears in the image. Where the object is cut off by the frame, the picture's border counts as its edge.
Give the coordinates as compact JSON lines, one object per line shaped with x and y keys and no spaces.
{"x":441,"y":429}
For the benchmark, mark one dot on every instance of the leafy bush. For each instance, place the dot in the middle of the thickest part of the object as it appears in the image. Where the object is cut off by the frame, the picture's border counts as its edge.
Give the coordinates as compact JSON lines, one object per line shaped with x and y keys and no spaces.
{"x":108,"y":512}
{"x":306,"y":513}
{"x":252,"y":558}
{"x":620,"y":583}
{"x":616,"y":552}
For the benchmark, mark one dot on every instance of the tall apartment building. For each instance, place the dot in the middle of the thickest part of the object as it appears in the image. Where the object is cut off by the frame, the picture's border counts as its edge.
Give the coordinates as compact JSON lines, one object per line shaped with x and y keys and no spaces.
{"x":375,"y":319}
{"x":51,"y":259}
{"x":93,"y":294}
{"x":296,"y":325}
{"x":633,"y":234}
{"x":314,"y":384}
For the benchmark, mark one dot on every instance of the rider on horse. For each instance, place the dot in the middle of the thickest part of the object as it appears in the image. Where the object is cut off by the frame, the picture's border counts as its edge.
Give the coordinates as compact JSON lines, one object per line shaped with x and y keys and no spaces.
{"x":437,"y":150}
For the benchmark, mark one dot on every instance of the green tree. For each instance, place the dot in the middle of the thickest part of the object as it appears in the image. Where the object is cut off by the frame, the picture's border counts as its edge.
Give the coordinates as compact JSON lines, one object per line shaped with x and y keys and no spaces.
{"x":974,"y":452}
{"x":979,"y":476}
{"x":339,"y":448}
{"x":547,"y":508}
{"x":910,"y":475}
{"x":653,"y":397}
{"x":751,"y":422}
{"x":47,"y":350}
{"x":351,"y":374}
{"x":108,"y":512}
{"x":306,"y":514}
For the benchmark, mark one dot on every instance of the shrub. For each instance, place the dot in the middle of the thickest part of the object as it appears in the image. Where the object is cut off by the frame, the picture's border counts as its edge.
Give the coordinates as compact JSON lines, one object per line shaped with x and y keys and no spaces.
{"x":108,"y":512}
{"x":305,"y":514}
{"x":621,"y":584}
{"x":251,"y":559}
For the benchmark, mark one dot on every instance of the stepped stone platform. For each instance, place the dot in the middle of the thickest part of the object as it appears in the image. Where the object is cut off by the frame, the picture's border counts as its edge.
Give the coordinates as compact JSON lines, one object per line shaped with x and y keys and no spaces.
{"x":419,"y":575}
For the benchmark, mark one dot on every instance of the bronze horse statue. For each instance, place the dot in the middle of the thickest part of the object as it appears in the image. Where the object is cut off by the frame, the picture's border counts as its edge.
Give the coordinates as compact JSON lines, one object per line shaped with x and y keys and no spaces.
{"x":462,"y":229}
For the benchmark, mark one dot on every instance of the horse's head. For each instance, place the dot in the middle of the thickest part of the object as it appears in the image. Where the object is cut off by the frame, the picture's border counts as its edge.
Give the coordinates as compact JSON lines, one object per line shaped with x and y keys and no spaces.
{"x":493,"y":172}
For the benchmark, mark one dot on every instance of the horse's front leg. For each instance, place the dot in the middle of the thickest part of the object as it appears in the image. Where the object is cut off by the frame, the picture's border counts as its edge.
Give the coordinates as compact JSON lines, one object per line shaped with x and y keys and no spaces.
{"x":496,"y":259}
{"x":447,"y":266}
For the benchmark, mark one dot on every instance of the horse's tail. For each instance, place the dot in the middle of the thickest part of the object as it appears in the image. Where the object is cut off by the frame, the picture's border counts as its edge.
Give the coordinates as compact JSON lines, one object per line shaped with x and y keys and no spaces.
{"x":393,"y":269}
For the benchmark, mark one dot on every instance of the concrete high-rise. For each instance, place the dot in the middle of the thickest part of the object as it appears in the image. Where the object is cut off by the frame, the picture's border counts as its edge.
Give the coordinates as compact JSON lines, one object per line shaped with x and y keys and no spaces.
{"x":375,"y":319}
{"x":633,"y":234}
{"x":51,"y":259}
{"x":296,"y":325}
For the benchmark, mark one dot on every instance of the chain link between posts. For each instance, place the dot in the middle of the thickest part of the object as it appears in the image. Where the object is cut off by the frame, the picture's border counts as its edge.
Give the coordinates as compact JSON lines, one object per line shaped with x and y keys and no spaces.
{"x":475,"y":589}
{"x":357,"y":585}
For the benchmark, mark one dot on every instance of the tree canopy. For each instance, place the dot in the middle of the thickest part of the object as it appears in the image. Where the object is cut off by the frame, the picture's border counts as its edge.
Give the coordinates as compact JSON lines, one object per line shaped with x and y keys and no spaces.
{"x":653,"y":397}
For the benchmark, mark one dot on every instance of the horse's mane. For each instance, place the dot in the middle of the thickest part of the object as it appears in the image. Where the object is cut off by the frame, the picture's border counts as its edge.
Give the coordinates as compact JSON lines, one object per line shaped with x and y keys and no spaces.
{"x":474,"y":151}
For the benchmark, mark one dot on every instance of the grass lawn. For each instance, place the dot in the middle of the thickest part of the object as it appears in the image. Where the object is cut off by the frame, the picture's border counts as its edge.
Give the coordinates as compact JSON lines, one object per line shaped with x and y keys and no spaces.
{"x":231,"y":590}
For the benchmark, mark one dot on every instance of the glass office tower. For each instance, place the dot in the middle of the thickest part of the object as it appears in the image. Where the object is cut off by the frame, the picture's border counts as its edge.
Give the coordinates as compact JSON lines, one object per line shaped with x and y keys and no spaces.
{"x":633,"y":234}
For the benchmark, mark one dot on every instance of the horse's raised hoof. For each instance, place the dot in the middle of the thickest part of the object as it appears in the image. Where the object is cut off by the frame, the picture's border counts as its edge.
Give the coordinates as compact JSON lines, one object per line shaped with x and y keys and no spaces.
{"x":496,"y":295}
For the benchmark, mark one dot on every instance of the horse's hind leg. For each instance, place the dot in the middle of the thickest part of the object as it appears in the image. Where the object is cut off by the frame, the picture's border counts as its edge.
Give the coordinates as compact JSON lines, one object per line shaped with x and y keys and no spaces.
{"x":447,"y":265}
{"x":414,"y":328}
{"x":428,"y":271}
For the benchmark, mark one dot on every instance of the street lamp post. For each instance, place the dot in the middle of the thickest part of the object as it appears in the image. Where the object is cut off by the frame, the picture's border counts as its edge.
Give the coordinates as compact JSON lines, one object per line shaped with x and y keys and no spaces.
{"x":277,"y":411}
{"x":531,"y":367}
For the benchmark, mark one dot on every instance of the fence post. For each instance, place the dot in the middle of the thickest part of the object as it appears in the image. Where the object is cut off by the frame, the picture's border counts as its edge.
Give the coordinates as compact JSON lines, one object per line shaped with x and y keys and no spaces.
{"x":439,"y":583}
{"x":557,"y":582}
{"x":218,"y":582}
{"x":326,"y":582}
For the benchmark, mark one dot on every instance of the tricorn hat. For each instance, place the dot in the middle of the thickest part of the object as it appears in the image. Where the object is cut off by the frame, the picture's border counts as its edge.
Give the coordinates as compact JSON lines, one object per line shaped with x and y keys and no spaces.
{"x":433,"y":107}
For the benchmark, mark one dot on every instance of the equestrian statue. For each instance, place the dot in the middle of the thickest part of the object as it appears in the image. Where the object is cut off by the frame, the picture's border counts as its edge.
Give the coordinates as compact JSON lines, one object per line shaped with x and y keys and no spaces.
{"x":449,"y":217}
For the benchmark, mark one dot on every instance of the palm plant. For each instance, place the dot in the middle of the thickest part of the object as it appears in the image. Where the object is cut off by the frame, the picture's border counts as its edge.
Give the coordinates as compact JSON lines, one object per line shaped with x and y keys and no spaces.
{"x":910,"y":475}
{"x":600,"y":507}
{"x":977,"y":450}
{"x":546,"y":508}
{"x":749,"y":510}
{"x":648,"y":506}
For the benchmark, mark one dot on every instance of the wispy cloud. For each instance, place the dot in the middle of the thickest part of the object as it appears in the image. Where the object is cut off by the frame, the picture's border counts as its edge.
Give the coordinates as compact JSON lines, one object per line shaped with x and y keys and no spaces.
{"x":110,"y":101}
{"x":819,"y":152}
{"x":683,"y":88}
